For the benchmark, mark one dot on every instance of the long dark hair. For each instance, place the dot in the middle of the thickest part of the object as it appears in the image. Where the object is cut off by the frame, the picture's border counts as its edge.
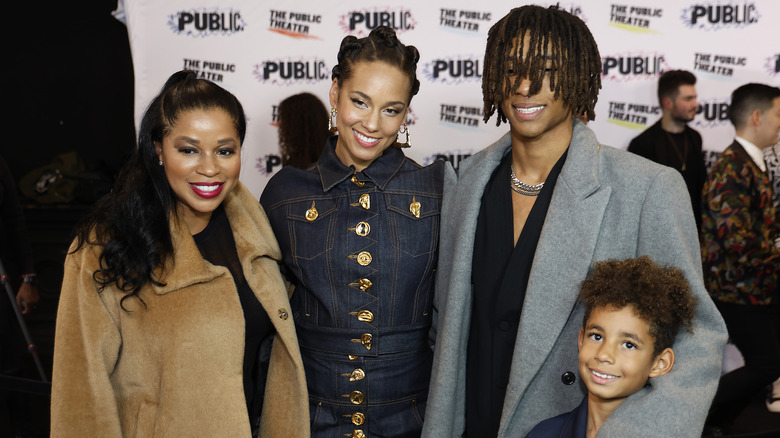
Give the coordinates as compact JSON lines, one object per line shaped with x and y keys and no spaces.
{"x":381,"y":44}
{"x":131,"y":223}
{"x":303,"y":129}
{"x":575,"y":59}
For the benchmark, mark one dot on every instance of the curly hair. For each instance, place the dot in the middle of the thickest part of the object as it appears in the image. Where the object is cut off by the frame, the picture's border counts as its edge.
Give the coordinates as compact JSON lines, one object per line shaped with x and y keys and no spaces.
{"x":131,"y":224}
{"x":381,"y":44}
{"x":303,"y":129}
{"x":658,"y":294}
{"x":555,"y":36}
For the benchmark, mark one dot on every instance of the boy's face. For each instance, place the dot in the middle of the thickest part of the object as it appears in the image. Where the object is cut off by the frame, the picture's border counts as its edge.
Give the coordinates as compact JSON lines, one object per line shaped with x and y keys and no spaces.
{"x":616,"y":354}
{"x":538,"y":116}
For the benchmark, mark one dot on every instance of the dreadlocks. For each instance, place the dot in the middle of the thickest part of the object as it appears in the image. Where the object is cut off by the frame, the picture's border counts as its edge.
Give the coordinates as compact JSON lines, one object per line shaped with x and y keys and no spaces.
{"x":555,"y":36}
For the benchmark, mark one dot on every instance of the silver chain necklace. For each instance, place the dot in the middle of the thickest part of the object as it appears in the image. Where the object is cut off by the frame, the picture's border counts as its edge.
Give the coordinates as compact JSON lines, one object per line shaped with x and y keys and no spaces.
{"x":521,"y":187}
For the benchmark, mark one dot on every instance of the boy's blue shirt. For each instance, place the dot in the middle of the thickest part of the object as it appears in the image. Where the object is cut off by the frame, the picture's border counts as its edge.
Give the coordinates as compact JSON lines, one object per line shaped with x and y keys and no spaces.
{"x":572,"y":424}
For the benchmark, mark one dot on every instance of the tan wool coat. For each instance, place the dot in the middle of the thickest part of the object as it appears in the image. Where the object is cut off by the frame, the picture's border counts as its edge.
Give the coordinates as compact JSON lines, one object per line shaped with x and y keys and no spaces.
{"x":173,"y":368}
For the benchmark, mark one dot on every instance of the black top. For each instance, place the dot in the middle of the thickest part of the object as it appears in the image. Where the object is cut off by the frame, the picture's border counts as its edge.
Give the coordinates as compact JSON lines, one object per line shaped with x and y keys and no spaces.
{"x":15,"y":250}
{"x":216,"y":245}
{"x":500,"y":272}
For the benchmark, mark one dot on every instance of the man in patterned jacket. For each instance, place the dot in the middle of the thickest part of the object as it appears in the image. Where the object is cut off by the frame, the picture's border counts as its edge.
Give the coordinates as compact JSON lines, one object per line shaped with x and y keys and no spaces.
{"x":741,"y":256}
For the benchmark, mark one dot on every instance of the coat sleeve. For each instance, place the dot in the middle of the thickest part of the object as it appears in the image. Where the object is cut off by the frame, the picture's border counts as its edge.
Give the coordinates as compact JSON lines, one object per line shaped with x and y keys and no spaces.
{"x":675,"y":404}
{"x":86,"y":349}
{"x":450,"y":179}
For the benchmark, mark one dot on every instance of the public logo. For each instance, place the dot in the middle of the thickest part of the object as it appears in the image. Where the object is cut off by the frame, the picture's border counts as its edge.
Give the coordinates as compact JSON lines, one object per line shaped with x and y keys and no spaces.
{"x":461,"y":115}
{"x":463,"y":20}
{"x":268,"y":164}
{"x":454,"y":157}
{"x":294,"y":24}
{"x":712,"y":113}
{"x":275,"y":115}
{"x":714,"y":16}
{"x":292,"y":71}
{"x":455,"y":70}
{"x":570,"y":7}
{"x":631,"y":115}
{"x":361,"y":23}
{"x":634,"y":18}
{"x":718,"y":64}
{"x":207,"y":22}
{"x":208,"y":69}
{"x":633,"y":66}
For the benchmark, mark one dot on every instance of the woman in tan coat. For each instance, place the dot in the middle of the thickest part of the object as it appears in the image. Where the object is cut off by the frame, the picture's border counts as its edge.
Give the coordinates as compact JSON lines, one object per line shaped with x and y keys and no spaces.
{"x":171,"y":288}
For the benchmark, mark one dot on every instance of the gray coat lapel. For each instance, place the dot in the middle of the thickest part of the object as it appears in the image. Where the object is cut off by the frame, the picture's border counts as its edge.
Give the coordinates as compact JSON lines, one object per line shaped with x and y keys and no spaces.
{"x":561,"y":262}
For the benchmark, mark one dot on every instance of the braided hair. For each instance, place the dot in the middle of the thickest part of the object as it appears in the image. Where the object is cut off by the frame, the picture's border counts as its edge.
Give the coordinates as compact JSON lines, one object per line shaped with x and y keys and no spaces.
{"x":555,"y":36}
{"x":381,"y":44}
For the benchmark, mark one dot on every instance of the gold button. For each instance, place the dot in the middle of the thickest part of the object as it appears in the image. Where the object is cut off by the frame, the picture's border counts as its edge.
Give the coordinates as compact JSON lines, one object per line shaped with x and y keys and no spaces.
{"x":362,"y":229}
{"x":352,"y":356}
{"x":283,"y":314}
{"x":365,"y":284}
{"x":414,"y":208}
{"x":356,"y":397}
{"x":365,"y":316}
{"x":365,"y":201}
{"x":358,"y":418}
{"x":312,"y":213}
{"x":357,"y":433}
{"x":357,"y":374}
{"x":364,"y":258}
{"x":365,"y":339}
{"x":356,"y":182}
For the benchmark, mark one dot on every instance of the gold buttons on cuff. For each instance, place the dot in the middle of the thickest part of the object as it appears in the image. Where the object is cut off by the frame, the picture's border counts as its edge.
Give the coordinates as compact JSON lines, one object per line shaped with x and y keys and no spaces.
{"x":312,"y":213}
{"x":362,"y":229}
{"x":414,"y":208}
{"x":364,"y":258}
{"x":356,"y":182}
{"x":365,"y":201}
{"x":283,"y":314}
{"x":365,"y":339}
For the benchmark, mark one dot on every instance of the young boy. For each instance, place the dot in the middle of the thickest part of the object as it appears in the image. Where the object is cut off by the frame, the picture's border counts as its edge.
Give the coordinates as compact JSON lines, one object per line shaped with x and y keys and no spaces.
{"x":633,"y":311}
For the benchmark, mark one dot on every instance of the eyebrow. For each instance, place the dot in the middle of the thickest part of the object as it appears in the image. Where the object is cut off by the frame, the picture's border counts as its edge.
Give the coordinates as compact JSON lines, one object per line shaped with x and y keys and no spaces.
{"x":197,"y":142}
{"x":366,"y":97}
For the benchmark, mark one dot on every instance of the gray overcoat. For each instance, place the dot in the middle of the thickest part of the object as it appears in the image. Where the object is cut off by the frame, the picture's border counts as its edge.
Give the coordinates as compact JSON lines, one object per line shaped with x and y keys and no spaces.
{"x":607,"y":204}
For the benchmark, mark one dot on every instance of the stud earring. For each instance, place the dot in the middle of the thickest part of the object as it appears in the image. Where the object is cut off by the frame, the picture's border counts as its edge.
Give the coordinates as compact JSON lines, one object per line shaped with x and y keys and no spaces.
{"x":161,"y":163}
{"x":405,"y":131}
{"x":332,"y":120}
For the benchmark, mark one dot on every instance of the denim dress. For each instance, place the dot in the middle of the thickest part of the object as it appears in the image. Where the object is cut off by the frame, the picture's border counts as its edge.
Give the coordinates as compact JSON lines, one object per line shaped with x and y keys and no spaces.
{"x":360,"y":249}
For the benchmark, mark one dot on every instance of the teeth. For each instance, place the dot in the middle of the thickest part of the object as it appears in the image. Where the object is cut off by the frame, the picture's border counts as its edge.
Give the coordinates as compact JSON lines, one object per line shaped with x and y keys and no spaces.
{"x":365,"y":139}
{"x":603,"y":376}
{"x":528,"y":110}
{"x":207,"y":188}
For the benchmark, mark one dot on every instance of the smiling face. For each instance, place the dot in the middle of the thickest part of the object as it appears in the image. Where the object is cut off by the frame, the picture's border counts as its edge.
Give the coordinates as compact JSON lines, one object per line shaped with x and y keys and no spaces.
{"x":371,"y":105}
{"x":202,"y":160}
{"x":539,"y":116}
{"x":616,"y":355}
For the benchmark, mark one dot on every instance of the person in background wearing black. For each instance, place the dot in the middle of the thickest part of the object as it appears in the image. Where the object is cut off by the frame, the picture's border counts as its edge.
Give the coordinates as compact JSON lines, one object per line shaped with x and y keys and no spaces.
{"x":670,"y":141}
{"x":17,"y":258}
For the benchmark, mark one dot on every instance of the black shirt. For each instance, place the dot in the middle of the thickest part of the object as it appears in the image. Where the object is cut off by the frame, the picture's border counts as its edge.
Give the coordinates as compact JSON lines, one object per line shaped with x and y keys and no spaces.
{"x":216,"y":245}
{"x":500,"y":272}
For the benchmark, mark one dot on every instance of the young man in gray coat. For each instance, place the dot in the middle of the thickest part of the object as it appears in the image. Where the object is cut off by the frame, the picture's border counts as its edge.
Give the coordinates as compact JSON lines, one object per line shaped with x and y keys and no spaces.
{"x":526,"y":220}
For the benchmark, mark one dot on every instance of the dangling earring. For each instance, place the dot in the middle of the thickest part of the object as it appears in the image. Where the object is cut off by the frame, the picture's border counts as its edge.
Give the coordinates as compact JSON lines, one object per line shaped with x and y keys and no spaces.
{"x":404,"y":130}
{"x":332,"y":120}
{"x":160,"y":162}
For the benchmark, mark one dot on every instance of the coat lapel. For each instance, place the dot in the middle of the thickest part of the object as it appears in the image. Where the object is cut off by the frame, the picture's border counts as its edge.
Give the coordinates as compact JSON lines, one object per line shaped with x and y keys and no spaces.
{"x":575,"y":214}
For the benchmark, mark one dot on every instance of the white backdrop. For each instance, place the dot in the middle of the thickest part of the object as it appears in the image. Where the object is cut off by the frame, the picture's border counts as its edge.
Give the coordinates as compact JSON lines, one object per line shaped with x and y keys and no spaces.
{"x":264,"y":51}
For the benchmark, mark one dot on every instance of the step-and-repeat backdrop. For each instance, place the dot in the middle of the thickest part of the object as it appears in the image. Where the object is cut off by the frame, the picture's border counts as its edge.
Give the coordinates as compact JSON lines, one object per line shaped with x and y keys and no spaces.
{"x":265,"y":51}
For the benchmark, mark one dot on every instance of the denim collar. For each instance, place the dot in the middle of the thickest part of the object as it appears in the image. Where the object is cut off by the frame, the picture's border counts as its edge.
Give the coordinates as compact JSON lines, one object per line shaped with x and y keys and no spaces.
{"x":380,"y":171}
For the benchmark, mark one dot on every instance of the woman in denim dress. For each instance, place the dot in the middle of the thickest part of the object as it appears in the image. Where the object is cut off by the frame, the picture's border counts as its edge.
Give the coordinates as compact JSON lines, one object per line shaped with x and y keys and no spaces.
{"x":359,"y":236}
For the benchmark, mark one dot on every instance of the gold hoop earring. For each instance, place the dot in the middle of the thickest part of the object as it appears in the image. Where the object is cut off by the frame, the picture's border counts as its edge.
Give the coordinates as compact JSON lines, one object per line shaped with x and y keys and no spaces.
{"x":332,"y":120}
{"x":404,"y":130}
